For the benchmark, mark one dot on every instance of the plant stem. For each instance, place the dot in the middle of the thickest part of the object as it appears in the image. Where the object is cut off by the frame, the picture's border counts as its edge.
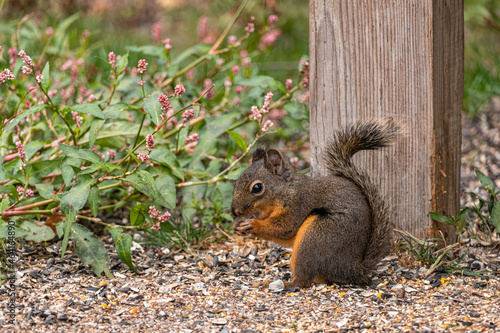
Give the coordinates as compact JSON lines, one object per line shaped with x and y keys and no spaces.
{"x":212,"y":51}
{"x":218,"y":177}
{"x":228,"y":28}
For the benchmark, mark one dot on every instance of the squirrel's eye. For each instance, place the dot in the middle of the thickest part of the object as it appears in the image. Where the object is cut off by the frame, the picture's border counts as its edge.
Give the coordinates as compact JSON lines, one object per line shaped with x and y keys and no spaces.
{"x":257,"y":188}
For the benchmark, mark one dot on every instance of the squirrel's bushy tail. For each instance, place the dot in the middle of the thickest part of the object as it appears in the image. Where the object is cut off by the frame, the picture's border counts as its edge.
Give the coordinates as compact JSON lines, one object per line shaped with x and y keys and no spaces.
{"x":344,"y":144}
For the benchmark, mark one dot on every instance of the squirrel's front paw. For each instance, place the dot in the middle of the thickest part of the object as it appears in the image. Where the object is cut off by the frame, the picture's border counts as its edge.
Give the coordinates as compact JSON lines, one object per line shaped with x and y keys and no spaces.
{"x":242,"y":227}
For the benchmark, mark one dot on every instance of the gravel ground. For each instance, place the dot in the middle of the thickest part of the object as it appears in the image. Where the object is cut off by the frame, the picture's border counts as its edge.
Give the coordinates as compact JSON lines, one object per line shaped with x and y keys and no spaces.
{"x":211,"y":290}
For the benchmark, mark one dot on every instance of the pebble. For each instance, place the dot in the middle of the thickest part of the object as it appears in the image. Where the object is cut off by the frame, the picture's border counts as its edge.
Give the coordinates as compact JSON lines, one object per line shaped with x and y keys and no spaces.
{"x":276,"y":286}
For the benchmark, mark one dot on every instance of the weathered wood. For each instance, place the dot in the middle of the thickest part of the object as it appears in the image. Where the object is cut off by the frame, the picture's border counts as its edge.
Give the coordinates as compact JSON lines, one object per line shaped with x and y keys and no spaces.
{"x":401,"y":59}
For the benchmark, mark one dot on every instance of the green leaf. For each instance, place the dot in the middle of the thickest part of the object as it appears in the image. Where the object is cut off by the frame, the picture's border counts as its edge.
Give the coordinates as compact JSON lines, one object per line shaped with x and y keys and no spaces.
{"x":31,"y":148}
{"x":152,"y":50}
{"x":76,"y":198}
{"x":46,"y":191}
{"x":214,"y":128}
{"x":94,"y":200}
{"x":485,"y":181}
{"x":13,"y":230}
{"x":217,"y":199}
{"x":137,"y":217}
{"x":495,"y":216}
{"x":441,"y":218}
{"x":67,"y":173}
{"x":69,"y":218}
{"x":115,"y":111}
{"x":46,"y":77}
{"x":153,"y":108}
{"x":4,"y":189}
{"x":90,"y":108}
{"x":2,"y":170}
{"x":144,"y":183}
{"x":83,"y":154}
{"x":95,"y":127}
{"x":296,"y":110}
{"x":166,"y":158}
{"x":42,"y":169}
{"x":123,"y":245}
{"x":37,"y":233}
{"x":240,"y":141}
{"x":256,"y":81}
{"x":16,"y":120}
{"x":122,"y":63}
{"x":166,"y":187}
{"x":90,"y":250}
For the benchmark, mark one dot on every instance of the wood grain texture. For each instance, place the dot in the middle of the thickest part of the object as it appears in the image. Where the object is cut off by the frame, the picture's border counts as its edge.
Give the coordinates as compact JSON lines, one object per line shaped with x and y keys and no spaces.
{"x":401,"y":59}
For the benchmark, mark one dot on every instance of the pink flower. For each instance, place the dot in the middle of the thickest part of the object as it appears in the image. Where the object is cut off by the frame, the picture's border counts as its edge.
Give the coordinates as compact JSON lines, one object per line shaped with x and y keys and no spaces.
{"x":39,"y":78}
{"x":156,"y":226}
{"x":154,"y":213}
{"x":294,"y":161}
{"x":13,"y":56}
{"x":166,"y":42}
{"x":141,"y":83}
{"x":144,"y":159}
{"x":6,"y":74}
{"x":238,"y":89}
{"x":255,"y":113}
{"x":111,"y":154}
{"x":165,"y":217}
{"x":277,"y":114}
{"x":49,"y":31}
{"x":112,"y":59}
{"x":235,"y":69}
{"x":20,"y":150}
{"x":26,"y":59}
{"x":99,"y":153}
{"x":179,"y":90}
{"x":267,"y":102}
{"x":219,"y":62}
{"x":94,"y":148}
{"x":52,"y":93}
{"x":150,"y":142}
{"x":207,"y":84}
{"x":91,"y":98}
{"x":29,"y":192}
{"x":86,"y":33}
{"x":165,"y":102}
{"x":231,"y":39}
{"x":79,"y":120}
{"x":269,"y":38}
{"x":288,"y":84}
{"x":267,"y":126}
{"x":20,"y":190}
{"x":246,"y":62}
{"x":203,"y":23}
{"x":142,"y":65}
{"x":227,"y":82}
{"x":188,"y":115}
{"x":272,"y":19}
{"x":250,"y":27}
{"x":156,"y":31}
{"x":192,"y":138}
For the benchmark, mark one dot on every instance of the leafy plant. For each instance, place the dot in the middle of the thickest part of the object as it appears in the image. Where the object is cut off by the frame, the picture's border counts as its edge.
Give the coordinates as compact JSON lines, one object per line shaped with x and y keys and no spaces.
{"x":480,"y":220}
{"x":85,"y":131}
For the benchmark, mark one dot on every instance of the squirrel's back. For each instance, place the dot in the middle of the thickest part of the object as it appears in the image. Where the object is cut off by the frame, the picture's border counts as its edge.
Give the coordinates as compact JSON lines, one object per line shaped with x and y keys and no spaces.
{"x":343,"y":145}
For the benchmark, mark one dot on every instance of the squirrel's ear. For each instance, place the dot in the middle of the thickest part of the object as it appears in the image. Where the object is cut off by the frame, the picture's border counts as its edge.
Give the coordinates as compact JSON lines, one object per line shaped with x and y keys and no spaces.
{"x":275,"y":159}
{"x":258,"y":154}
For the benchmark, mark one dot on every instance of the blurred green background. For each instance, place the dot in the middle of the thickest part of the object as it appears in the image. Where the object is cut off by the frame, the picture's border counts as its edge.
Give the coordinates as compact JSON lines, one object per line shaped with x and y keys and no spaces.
{"x":116,"y":24}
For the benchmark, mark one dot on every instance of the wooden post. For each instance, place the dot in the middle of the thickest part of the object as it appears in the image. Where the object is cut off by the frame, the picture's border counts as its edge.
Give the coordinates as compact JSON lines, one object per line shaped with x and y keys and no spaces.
{"x":401,"y":59}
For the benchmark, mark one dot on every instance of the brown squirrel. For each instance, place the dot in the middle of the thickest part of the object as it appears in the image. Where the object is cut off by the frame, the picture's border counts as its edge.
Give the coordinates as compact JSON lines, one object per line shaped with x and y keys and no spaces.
{"x":338,"y":226}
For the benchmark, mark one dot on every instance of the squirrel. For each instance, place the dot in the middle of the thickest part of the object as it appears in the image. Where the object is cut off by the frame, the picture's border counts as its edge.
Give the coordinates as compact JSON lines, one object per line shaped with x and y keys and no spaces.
{"x":338,"y":226}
